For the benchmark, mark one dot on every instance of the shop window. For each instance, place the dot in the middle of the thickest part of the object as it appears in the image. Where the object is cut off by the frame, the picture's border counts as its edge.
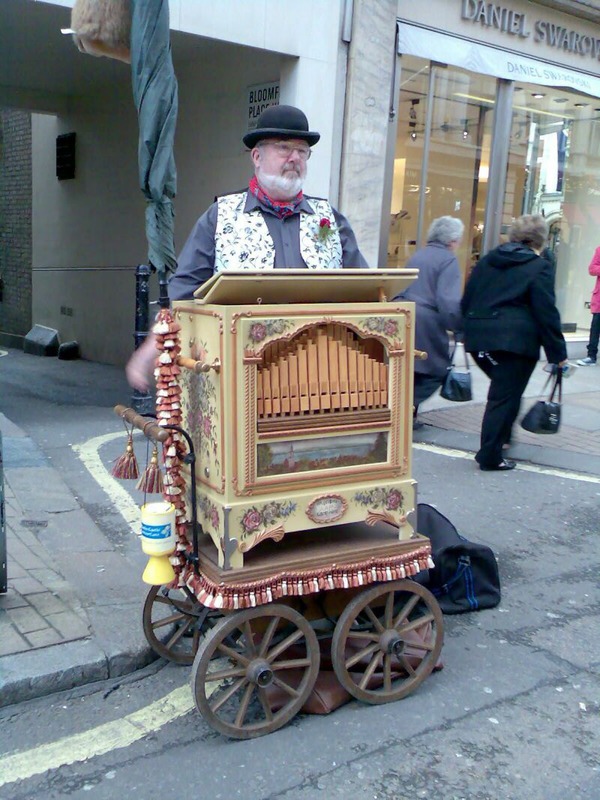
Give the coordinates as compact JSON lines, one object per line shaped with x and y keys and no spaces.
{"x":450,"y":110}
{"x":554,"y":170}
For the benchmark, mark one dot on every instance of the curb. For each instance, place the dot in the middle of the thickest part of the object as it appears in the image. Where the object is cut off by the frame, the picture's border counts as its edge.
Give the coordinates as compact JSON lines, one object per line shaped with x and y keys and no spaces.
{"x":540,"y":455}
{"x":34,"y":674}
{"x":97,"y":583}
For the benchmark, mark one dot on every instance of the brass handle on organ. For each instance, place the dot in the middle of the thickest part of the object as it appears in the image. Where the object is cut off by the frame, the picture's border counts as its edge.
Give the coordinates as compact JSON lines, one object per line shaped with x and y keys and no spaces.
{"x":198,"y":366}
{"x":421,"y":355}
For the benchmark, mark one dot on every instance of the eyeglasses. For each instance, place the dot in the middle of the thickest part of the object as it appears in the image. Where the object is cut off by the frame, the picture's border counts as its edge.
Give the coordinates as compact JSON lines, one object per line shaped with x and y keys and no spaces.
{"x":286,"y":150}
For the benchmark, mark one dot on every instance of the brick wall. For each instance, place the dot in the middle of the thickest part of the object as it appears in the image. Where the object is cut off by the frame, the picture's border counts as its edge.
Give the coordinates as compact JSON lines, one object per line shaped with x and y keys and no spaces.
{"x":15,"y":221}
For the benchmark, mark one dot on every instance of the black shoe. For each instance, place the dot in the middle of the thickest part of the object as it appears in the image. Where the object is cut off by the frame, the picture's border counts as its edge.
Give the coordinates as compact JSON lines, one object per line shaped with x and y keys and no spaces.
{"x":417,"y":425}
{"x":505,"y":464}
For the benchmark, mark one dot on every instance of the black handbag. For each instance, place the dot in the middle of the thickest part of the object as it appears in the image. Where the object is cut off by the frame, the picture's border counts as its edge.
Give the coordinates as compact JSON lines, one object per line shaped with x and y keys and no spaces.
{"x":457,"y":385}
{"x":465,"y":576}
{"x":544,"y":416}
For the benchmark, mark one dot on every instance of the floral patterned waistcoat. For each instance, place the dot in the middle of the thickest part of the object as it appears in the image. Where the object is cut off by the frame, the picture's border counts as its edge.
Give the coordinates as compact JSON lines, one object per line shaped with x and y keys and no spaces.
{"x":243,"y":241}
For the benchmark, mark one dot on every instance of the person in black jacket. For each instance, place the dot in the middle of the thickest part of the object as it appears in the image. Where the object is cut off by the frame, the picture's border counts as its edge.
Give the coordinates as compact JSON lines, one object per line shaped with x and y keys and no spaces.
{"x":509,"y":311}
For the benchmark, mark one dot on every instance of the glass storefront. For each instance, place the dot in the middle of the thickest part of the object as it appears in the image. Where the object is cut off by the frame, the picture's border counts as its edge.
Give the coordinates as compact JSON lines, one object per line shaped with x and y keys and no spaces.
{"x":554,"y":170}
{"x":442,"y":159}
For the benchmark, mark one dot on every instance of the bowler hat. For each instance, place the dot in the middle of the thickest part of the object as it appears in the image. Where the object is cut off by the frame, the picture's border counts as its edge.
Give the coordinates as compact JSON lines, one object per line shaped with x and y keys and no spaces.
{"x":281,"y":121}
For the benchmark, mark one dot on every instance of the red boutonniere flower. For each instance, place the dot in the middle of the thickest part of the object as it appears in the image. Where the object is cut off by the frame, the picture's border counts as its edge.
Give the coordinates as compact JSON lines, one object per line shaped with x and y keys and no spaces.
{"x":325,"y":230}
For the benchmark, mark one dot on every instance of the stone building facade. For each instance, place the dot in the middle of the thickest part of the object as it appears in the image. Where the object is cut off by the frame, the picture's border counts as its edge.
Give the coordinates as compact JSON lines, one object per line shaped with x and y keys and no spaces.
{"x":15,"y":223}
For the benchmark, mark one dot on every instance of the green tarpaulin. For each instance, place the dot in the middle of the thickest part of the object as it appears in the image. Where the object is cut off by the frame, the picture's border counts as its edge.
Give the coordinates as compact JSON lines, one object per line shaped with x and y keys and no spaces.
{"x":155,"y":95}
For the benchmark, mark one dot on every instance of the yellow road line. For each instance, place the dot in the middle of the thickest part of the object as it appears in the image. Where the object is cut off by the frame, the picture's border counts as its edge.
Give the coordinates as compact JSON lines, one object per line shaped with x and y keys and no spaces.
{"x":89,"y":453}
{"x":468,"y":456}
{"x":102,"y":739}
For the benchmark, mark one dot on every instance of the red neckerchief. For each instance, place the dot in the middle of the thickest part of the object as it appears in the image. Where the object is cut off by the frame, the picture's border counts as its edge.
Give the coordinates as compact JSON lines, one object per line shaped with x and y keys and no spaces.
{"x":282,"y":208}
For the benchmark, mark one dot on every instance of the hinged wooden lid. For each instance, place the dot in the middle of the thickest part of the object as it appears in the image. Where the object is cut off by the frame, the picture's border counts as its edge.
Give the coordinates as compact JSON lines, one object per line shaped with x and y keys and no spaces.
{"x":248,"y":287}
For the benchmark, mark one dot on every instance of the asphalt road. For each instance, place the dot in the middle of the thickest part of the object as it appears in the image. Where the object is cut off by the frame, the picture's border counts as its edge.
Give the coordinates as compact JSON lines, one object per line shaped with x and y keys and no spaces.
{"x":514,"y":714}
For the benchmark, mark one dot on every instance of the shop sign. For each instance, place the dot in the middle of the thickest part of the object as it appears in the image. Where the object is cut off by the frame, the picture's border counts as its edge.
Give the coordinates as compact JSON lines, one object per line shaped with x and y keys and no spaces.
{"x":516,"y":23}
{"x":261,"y":96}
{"x":475,"y":57}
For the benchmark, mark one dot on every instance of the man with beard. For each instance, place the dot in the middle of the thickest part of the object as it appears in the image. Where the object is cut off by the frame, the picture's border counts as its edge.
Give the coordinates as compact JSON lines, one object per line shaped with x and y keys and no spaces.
{"x":272,"y":224}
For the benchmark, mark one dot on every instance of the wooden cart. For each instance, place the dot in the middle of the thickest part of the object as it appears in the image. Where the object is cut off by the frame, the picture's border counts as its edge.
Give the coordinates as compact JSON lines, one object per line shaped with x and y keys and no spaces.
{"x":287,"y":436}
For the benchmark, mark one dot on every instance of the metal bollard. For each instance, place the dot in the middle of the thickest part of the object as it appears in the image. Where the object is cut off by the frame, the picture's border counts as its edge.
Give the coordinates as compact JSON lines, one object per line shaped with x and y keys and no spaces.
{"x":142,"y":402}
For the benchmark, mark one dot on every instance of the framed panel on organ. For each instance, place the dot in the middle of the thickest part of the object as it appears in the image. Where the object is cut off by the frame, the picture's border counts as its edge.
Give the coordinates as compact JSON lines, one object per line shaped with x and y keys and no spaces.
{"x":326,"y":399}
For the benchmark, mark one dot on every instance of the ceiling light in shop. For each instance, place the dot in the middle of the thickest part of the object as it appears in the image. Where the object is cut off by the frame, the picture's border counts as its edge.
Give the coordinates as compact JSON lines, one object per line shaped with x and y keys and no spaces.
{"x":488,"y":100}
{"x":543,"y":113}
{"x":537,"y":95}
{"x":515,"y":108}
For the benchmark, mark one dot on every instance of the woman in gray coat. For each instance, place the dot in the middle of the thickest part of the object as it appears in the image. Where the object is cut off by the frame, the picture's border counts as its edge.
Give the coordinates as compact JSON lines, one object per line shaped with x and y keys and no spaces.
{"x":437,"y":293}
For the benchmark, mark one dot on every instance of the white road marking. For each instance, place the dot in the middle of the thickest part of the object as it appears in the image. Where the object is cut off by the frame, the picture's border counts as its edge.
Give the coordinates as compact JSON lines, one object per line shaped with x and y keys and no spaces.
{"x":89,"y":453}
{"x":102,"y":739}
{"x":557,"y":473}
{"x":3,"y":353}
{"x":97,"y":741}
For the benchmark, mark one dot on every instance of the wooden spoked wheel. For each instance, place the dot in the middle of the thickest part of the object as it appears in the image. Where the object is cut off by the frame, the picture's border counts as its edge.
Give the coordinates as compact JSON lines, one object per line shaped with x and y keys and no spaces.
{"x":254,"y":670}
{"x":174,"y":621}
{"x":387,"y":641}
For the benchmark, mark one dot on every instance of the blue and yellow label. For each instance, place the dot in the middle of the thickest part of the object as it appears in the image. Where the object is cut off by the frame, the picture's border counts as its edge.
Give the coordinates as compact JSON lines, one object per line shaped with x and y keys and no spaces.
{"x":156,"y":531}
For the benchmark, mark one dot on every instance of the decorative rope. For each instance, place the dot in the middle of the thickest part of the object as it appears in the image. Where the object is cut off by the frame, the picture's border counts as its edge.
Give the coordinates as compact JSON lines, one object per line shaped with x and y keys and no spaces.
{"x":126,"y":467}
{"x":151,"y":481}
{"x":168,"y":412}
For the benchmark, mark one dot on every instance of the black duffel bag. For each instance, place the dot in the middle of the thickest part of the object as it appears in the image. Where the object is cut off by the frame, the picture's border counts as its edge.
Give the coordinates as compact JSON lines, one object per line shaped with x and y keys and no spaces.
{"x":465,"y":576}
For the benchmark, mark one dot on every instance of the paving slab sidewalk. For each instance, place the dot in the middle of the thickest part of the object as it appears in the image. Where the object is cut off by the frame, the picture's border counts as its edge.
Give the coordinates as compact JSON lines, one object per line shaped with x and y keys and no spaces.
{"x":71,"y":614}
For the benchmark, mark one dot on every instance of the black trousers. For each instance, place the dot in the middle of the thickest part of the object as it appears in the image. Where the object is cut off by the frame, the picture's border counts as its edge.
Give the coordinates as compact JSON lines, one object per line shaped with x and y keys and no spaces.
{"x":509,"y":374}
{"x":592,"y":348}
{"x":424,"y":387}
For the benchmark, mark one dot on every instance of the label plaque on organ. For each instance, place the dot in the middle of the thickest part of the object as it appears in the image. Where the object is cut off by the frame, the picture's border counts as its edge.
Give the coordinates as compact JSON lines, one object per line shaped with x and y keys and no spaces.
{"x":327,"y":508}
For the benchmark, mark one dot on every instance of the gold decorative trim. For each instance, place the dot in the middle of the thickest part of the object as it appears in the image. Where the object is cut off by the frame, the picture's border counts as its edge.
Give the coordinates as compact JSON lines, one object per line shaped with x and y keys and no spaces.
{"x":349,"y":428}
{"x":250,"y":415}
{"x":373,"y":517}
{"x":396,"y":417}
{"x":312,"y":478}
{"x":193,"y":311}
{"x":276,"y":534}
{"x":392,"y":346}
{"x":234,"y":413}
{"x":237,"y":316}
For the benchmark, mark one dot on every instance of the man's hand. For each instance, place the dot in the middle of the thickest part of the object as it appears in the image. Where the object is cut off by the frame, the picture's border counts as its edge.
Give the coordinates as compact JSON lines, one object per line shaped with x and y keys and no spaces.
{"x":141,"y":364}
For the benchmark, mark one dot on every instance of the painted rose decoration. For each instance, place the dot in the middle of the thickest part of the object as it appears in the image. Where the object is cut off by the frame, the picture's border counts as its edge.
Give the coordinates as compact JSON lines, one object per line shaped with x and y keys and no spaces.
{"x":256,"y":517}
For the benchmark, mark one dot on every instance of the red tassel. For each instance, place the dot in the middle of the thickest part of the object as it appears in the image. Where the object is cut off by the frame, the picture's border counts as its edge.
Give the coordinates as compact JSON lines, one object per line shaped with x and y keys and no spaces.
{"x":151,"y":481}
{"x":126,"y":466}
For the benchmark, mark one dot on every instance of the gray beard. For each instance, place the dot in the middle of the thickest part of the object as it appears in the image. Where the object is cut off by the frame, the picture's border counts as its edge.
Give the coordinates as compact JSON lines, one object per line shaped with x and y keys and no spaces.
{"x":284,"y":187}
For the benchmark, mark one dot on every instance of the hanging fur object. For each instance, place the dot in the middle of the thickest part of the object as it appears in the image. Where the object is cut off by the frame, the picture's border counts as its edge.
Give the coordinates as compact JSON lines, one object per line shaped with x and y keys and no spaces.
{"x":126,"y":466}
{"x":151,"y":481}
{"x":102,"y":28}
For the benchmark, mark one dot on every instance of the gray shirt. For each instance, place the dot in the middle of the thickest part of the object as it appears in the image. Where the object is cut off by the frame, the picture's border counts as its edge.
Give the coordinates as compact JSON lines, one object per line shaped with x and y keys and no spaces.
{"x":197,"y":259}
{"x":436,"y":292}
